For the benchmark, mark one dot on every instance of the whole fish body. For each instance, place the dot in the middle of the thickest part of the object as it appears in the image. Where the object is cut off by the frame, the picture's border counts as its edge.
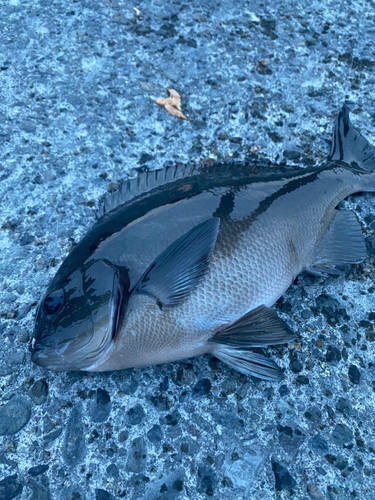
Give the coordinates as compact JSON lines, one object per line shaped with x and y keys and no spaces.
{"x":188,"y":260}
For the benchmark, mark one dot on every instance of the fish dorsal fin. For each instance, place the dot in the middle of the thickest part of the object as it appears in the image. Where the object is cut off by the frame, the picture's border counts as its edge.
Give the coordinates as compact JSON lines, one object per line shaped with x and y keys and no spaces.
{"x":349,"y":146}
{"x":143,"y":183}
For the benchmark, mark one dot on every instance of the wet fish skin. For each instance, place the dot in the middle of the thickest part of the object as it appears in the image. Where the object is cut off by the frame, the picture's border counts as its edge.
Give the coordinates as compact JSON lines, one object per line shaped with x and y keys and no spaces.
{"x":192,"y":266}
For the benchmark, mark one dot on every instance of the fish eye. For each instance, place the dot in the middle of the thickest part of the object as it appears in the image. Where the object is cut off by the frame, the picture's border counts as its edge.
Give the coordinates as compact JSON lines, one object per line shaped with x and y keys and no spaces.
{"x":54,"y":301}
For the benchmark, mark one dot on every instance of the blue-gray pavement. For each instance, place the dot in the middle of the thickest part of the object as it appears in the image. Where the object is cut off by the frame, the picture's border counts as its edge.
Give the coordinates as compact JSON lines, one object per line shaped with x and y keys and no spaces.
{"x":78,"y":81}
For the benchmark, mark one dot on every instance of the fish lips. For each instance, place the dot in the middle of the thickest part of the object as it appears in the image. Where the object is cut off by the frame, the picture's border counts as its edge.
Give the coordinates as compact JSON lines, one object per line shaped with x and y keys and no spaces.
{"x":46,"y":357}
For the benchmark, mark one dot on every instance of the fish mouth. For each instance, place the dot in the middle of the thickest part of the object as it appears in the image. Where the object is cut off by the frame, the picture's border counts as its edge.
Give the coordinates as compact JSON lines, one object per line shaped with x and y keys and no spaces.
{"x":47,"y":357}
{"x":39,"y":355}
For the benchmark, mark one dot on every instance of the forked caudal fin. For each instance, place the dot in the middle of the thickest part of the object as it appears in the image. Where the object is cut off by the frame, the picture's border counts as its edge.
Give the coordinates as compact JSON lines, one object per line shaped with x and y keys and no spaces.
{"x":349,"y":146}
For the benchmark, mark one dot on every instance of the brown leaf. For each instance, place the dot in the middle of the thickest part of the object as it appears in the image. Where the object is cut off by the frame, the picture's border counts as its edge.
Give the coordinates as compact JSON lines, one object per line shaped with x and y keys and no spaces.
{"x":175,"y":112}
{"x":172,"y":104}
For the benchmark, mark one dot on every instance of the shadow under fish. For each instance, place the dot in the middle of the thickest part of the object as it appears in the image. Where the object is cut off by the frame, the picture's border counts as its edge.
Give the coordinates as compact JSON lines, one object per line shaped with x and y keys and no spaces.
{"x":189,"y":260}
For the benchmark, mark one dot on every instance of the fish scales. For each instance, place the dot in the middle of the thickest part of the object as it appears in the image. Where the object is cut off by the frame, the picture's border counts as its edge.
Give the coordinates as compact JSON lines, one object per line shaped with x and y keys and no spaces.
{"x":256,"y":270}
{"x":193,"y":263}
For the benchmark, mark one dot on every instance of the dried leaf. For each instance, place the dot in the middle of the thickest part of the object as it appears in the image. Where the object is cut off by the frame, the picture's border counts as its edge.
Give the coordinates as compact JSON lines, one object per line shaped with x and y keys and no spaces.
{"x":172,"y":104}
{"x":175,"y":112}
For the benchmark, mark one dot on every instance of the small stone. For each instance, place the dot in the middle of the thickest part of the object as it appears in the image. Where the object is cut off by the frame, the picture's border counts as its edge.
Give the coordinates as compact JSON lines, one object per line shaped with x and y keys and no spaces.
{"x":164,"y":386}
{"x":145,"y":157}
{"x":243,"y":471}
{"x":235,"y":140}
{"x":331,"y":308}
{"x":296,"y":366}
{"x":10,"y":488}
{"x":26,"y":239}
{"x":37,"y":470}
{"x":170,"y":419}
{"x":23,"y":337}
{"x":314,"y":414}
{"x":314,"y":492}
{"x":137,"y":456}
{"x":206,"y":480}
{"x":28,"y":126}
{"x":302,"y":380}
{"x":342,"y":434}
{"x":344,"y":407}
{"x":50,"y":437}
{"x":123,"y":436}
{"x":101,"y":406}
{"x":39,"y":392}
{"x":102,"y":495}
{"x":112,"y":471}
{"x":354,"y":374}
{"x":333,"y":354}
{"x":178,"y":484}
{"x":202,"y":387}
{"x":155,"y":434}
{"x":13,"y":416}
{"x":74,"y":445}
{"x":293,"y":155}
{"x":135,"y":415}
{"x":283,"y":479}
{"x":283,"y":390}
{"x":290,"y":439}
{"x":306,"y":314}
{"x":39,"y":492}
{"x":318,"y":444}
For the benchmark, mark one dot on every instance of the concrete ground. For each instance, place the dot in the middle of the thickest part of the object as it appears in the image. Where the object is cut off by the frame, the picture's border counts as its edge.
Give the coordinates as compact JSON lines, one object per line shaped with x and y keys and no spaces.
{"x":78,"y":81}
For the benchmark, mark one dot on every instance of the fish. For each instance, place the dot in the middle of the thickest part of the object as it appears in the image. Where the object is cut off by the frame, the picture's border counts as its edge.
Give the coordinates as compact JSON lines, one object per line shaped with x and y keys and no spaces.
{"x":189,"y":260}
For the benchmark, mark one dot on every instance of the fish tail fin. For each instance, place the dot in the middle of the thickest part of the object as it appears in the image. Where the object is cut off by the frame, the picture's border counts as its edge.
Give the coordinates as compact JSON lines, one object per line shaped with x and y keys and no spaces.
{"x":349,"y":146}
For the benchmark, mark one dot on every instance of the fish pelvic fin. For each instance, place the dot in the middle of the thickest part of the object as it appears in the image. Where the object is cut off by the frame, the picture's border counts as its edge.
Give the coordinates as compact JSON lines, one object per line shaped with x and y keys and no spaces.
{"x":178,"y":270}
{"x":349,"y":146}
{"x":261,"y":327}
{"x":342,"y":244}
{"x":249,"y":363}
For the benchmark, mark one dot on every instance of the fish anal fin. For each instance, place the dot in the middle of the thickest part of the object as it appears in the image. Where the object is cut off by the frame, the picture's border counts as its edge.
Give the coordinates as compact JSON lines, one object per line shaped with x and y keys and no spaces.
{"x":323,"y":271}
{"x":177,"y":271}
{"x":249,"y":363}
{"x":342,"y":244}
{"x":260,"y":327}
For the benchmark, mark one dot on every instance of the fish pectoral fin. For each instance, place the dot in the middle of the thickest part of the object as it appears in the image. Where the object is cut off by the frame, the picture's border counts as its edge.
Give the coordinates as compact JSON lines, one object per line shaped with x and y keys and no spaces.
{"x":249,"y":362}
{"x":342,"y":244}
{"x":177,"y":271}
{"x":260,"y":327}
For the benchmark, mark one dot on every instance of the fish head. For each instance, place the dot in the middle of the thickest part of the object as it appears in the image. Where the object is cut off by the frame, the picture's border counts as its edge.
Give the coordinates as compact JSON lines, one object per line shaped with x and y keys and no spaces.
{"x":77,"y":319}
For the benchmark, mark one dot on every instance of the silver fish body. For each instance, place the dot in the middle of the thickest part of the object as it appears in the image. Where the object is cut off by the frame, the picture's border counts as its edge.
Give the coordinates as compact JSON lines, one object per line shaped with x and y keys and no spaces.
{"x":192,"y":264}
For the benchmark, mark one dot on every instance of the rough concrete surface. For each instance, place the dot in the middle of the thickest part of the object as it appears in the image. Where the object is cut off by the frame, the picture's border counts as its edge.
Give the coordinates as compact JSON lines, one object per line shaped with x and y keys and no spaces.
{"x":78,"y":81}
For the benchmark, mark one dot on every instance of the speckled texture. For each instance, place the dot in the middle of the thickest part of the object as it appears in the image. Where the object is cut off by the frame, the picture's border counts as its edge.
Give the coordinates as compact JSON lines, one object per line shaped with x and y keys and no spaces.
{"x":78,"y":84}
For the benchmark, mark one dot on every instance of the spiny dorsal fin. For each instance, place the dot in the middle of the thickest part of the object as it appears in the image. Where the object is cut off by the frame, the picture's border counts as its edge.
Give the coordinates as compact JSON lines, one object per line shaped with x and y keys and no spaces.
{"x":144,"y":182}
